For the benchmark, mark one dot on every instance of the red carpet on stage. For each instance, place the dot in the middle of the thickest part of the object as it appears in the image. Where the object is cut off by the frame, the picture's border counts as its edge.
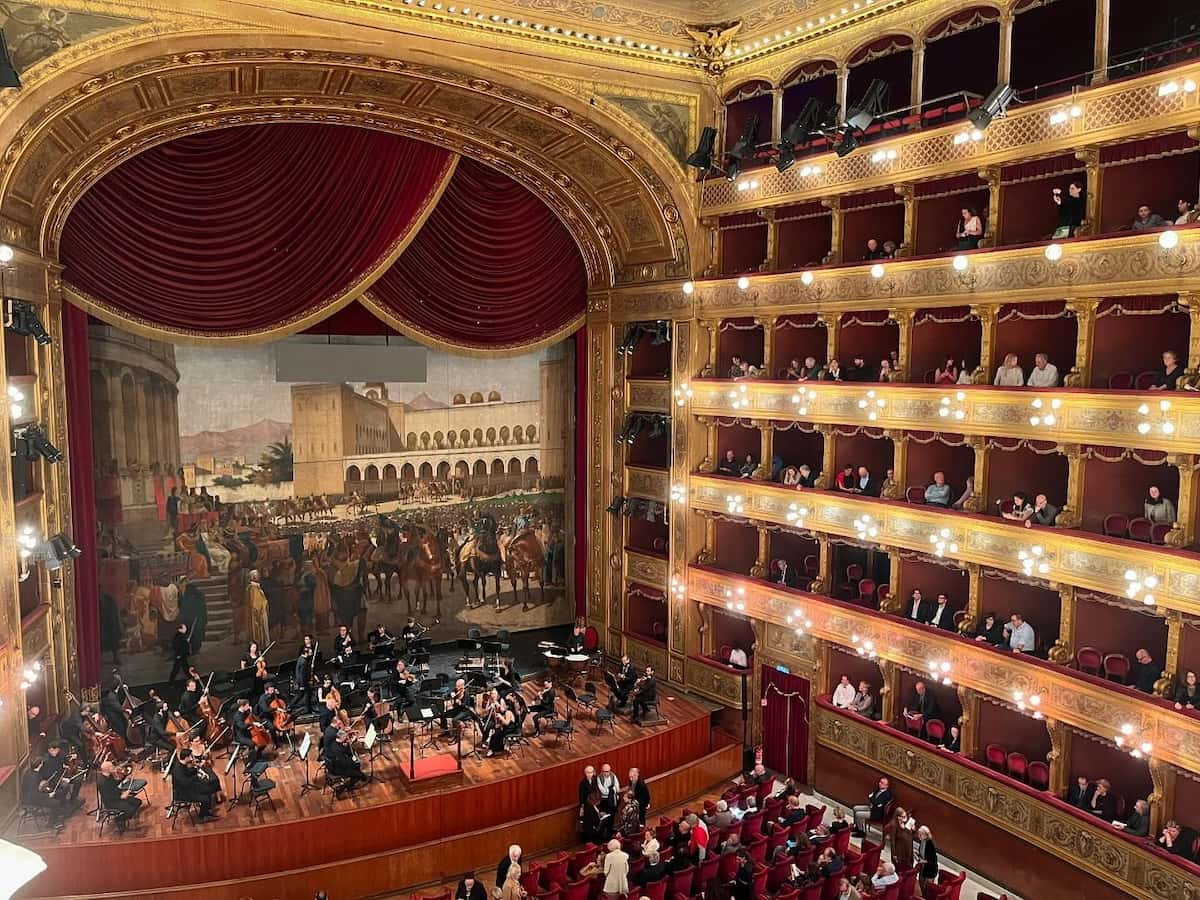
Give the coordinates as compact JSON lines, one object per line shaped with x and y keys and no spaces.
{"x":434,"y":767}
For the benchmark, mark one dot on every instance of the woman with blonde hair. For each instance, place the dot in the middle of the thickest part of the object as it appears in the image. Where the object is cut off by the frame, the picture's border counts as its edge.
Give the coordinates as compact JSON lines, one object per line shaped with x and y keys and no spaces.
{"x":512,"y":889}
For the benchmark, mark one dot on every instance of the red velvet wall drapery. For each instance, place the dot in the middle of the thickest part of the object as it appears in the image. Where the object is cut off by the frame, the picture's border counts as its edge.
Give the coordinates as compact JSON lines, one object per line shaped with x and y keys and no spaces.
{"x":248,"y":229}
{"x":785,"y":723}
{"x":83,"y":495}
{"x":492,"y":267}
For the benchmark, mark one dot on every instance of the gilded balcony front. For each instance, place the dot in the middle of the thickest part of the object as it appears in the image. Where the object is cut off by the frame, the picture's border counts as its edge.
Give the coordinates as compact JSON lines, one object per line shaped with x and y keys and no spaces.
{"x":647,"y":482}
{"x":648,"y":395}
{"x":647,"y":569}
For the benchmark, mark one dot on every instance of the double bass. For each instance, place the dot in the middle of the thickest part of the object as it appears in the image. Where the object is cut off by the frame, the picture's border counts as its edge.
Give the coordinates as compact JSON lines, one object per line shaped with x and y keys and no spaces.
{"x":209,"y":708}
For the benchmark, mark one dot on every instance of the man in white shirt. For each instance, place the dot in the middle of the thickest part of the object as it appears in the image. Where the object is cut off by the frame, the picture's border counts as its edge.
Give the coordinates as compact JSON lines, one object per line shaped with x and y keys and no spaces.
{"x":1044,"y":373}
{"x":609,"y":788}
{"x":843,"y":694}
{"x":943,"y":615}
{"x":918,"y":609}
{"x":884,"y":875}
{"x":1020,"y":634}
{"x":737,"y":657}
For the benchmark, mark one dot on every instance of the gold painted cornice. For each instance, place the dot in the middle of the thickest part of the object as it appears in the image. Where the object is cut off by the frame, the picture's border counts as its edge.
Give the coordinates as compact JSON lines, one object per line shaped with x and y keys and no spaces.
{"x":1105,"y":418}
{"x":1075,"y":557}
{"x":648,"y":395}
{"x":646,"y":569}
{"x":647,"y":482}
{"x":1089,"y":707}
{"x":1121,"y":266}
{"x":1111,"y":113}
{"x":1095,"y":849}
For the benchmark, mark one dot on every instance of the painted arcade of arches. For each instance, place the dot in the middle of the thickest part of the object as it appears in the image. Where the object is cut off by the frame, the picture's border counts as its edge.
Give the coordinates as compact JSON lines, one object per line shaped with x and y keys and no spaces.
{"x":496,"y":475}
{"x":479,"y":437}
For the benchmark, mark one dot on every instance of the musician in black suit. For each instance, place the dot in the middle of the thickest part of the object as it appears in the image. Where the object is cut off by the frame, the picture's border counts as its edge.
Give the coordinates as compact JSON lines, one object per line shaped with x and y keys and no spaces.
{"x":189,"y":700}
{"x":508,"y":676}
{"x":343,"y":644}
{"x":576,"y":642}
{"x":240,"y":728}
{"x":114,"y":712}
{"x":625,"y":678}
{"x":328,"y":722}
{"x":645,"y":693}
{"x":341,"y":762}
{"x":545,"y":706}
{"x":122,"y":802}
{"x":302,"y":685}
{"x":380,"y":638}
{"x":188,"y":785}
{"x":411,"y":630}
{"x":36,"y":792}
{"x":156,"y":729}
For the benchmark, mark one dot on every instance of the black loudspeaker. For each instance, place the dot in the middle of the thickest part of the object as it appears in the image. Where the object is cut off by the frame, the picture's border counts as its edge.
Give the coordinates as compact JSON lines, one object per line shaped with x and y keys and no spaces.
{"x":747,"y":759}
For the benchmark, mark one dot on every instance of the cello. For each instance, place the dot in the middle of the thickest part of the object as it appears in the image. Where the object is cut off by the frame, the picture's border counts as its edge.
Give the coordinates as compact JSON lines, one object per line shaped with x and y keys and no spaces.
{"x":282,"y":719}
{"x":258,"y":732}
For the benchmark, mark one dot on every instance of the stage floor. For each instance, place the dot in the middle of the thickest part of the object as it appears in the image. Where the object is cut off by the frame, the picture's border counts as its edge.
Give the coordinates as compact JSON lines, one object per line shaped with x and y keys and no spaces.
{"x":387,"y":786}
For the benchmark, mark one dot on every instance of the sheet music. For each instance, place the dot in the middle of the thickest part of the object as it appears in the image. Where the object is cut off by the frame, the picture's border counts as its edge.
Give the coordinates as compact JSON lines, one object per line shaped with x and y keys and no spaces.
{"x":426,"y":712}
{"x":369,"y":737}
{"x":305,"y":745}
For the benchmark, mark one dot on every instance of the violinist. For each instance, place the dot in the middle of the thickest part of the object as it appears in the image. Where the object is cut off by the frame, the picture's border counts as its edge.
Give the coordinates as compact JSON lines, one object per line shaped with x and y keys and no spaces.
{"x":626,"y":677}
{"x":403,"y":678}
{"x":114,"y":797}
{"x":545,"y":706}
{"x":250,"y":657}
{"x":191,"y":785}
{"x":645,"y":692}
{"x":62,"y":764}
{"x":378,"y":713}
{"x":327,"y":690}
{"x":343,"y":644}
{"x":253,"y":659}
{"x":509,"y":678}
{"x":44,"y":791}
{"x":181,"y":647}
{"x":302,"y":682}
{"x":501,"y":723}
{"x":380,"y":638}
{"x":310,"y":644}
{"x":189,"y":700}
{"x":341,"y":762}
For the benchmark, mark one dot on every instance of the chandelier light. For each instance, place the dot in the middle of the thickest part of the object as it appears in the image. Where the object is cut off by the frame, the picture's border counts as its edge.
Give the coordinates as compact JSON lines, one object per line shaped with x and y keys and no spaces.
{"x":872,"y":404}
{"x":796,"y":514}
{"x":939,"y":670}
{"x":802,"y":398}
{"x":943,"y":542}
{"x":735,"y":601}
{"x":953,"y":407}
{"x":1160,"y":423}
{"x":740,"y":397}
{"x":683,"y":394}
{"x":866,"y":527}
{"x":864,"y":648}
{"x":1031,"y":703}
{"x":1044,"y":413}
{"x":734,"y":504}
{"x":1140,"y":587}
{"x":1033,"y":561}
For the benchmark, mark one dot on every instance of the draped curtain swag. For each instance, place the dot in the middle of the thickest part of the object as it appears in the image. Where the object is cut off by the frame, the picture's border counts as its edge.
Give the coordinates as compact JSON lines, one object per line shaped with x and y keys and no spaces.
{"x":943,"y":316}
{"x":258,"y":229}
{"x":1140,"y":306}
{"x":745,"y":324}
{"x":962,"y":21}
{"x":1049,"y":309}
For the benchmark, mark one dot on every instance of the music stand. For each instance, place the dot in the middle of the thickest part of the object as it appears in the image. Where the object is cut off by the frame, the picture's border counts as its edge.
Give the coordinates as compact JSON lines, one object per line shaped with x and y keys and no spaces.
{"x":428,"y":711}
{"x":233,"y":758}
{"x":492,"y":648}
{"x":369,"y":740}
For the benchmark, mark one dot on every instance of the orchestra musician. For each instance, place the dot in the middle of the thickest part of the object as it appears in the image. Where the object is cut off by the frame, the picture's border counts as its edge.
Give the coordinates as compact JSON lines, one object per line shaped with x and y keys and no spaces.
{"x":412,"y":631}
{"x":645,"y":692}
{"x":62,"y":763}
{"x":250,"y":657}
{"x":509,"y":678}
{"x":327,"y":690}
{"x":459,"y":706}
{"x":343,"y":644}
{"x":181,"y":648}
{"x":545,"y":706}
{"x":70,"y":729}
{"x":341,"y":762}
{"x":501,"y":723}
{"x":402,"y":678}
{"x":189,"y":700}
{"x":302,"y":680}
{"x":112,"y":708}
{"x":626,"y":678}
{"x":253,"y":659}
{"x":380,"y":638}
{"x":242,"y":735}
{"x":157,"y":735}
{"x":378,"y":713}
{"x":576,"y":642}
{"x":310,"y":643}
{"x":190,"y":784}
{"x":264,"y":711}
{"x":42,"y":790}
{"x":329,"y":722}
{"x":114,"y":797}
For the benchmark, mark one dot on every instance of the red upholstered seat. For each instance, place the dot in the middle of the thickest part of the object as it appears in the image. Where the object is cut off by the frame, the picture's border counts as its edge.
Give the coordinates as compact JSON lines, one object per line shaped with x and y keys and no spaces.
{"x":915,"y":494}
{"x":778,"y":874}
{"x":815,"y":815}
{"x":950,"y":886}
{"x":1116,"y":667}
{"x":893,"y":892}
{"x":531,"y":878}
{"x":662,"y":831}
{"x":1120,"y":381}
{"x":758,"y":849}
{"x":866,"y":591}
{"x":995,"y":757}
{"x":841,"y":841}
{"x":1039,"y":775}
{"x":708,"y":868}
{"x":556,"y":872}
{"x":758,"y":887}
{"x":578,"y":890}
{"x":908,"y":882}
{"x":1089,"y":660}
{"x":444,"y":895}
{"x":1159,"y":532}
{"x":778,"y":838}
{"x":591,"y":639}
{"x":853,"y":860}
{"x":1017,"y":766}
{"x":764,"y":791}
{"x":789,"y":893}
{"x":724,"y":653}
{"x":935,"y":730}
{"x":681,"y":882}
{"x":1116,"y":525}
{"x":883,"y":593}
{"x":1140,"y":529}
{"x":751,"y":827}
{"x":812,"y":566}
{"x":914,"y":725}
{"x":813,"y":891}
{"x":1144,"y":380}
{"x":871,"y":852}
{"x":854,"y":572}
{"x":553,"y":893}
{"x":727,"y":867}
{"x":657,"y":890}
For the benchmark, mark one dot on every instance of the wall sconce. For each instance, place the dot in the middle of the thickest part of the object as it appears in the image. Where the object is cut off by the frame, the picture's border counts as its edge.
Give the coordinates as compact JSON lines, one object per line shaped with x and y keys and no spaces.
{"x":1032,"y":702}
{"x":30,"y":676}
{"x":953,"y":407}
{"x":1165,"y":425}
{"x":678,"y":587}
{"x":1042,"y":416}
{"x":802,"y":399}
{"x":1034,"y":561}
{"x":968,"y":134}
{"x":15,"y":399}
{"x":940,"y":671}
{"x":882,"y":156}
{"x":1137,"y":745}
{"x":1167,"y":88}
{"x":735,"y":600}
{"x":1140,"y":587}
{"x":806,"y":278}
{"x":683,"y":394}
{"x":1059,"y":116}
{"x":748,"y":184}
{"x":734,"y":504}
{"x":740,"y":398}
{"x":678,"y":493}
{"x":1169,"y":242}
{"x":689,"y":287}
{"x":866,"y":527}
{"x":877,"y":271}
{"x":873,"y":404}
{"x":805,"y":171}
{"x":1054,"y":252}
{"x":799,"y":622}
{"x":943,"y":542}
{"x":796,"y":514}
{"x":961,"y":264}
{"x":27,"y":542}
{"x":743,"y":283}
{"x":864,"y":648}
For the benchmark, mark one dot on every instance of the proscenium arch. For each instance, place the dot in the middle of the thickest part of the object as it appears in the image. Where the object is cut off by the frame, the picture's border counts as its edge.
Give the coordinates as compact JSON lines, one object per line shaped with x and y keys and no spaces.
{"x":625,"y":209}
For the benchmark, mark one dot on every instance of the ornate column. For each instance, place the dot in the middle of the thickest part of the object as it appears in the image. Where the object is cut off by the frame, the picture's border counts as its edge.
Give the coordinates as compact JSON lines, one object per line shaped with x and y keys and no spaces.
{"x":703,"y":629}
{"x":763,"y":560}
{"x":828,"y":459}
{"x":1100,"y":48}
{"x":974,"y":608}
{"x":833,"y":328}
{"x":895,"y":603}
{"x":968,"y":725}
{"x":843,"y":86}
{"x":918,"y":72}
{"x":144,"y":424}
{"x":1184,"y":531}
{"x":823,"y":583}
{"x":714,"y":247}
{"x":1064,"y":647}
{"x":978,"y":500}
{"x":708,"y":554}
{"x":890,"y":692}
{"x":1171,"y":659}
{"x":1071,"y":515}
{"x":768,"y":327}
{"x":904,"y":319}
{"x":834,"y":205}
{"x":116,"y":419}
{"x":1095,"y":185}
{"x":895,"y":490}
{"x":991,"y":230}
{"x":1059,"y":756}
{"x":776,"y":115}
{"x":908,"y":240}
{"x":1004,"y":62}
{"x":772,"y":261}
{"x":1080,"y":375}
{"x":1191,"y":300}
{"x":766,"y":449}
{"x":987,"y":343}
{"x":713,"y":328}
{"x":708,"y":465}
{"x":1162,"y":796}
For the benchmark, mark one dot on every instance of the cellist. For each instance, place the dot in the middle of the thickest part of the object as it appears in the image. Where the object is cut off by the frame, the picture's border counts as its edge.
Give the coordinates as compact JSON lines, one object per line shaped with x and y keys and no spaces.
{"x":158,"y":734}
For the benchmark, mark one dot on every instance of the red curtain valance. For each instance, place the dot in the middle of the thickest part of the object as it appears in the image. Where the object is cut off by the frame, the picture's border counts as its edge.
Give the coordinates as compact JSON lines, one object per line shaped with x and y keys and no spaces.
{"x":1043,"y":309}
{"x":492,"y":267}
{"x":866,"y":317}
{"x":1153,"y":304}
{"x":884,"y":46}
{"x":963,"y":20}
{"x":248,"y":229}
{"x":1149,"y":148}
{"x":748,"y":91}
{"x":798,"y":320}
{"x":810,"y":71}
{"x":881,"y":197}
{"x":942,"y":315}
{"x":741,"y":220}
{"x":944,"y":187}
{"x":1063,"y":164}
{"x":802,"y":211}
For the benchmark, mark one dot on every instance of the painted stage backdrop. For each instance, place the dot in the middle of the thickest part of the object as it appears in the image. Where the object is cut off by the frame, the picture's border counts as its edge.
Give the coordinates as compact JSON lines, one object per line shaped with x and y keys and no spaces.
{"x":252,"y":509}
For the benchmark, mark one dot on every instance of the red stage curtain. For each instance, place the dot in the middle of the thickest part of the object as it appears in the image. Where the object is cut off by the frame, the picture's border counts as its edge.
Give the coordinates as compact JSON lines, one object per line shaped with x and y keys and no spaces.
{"x":250,"y":228}
{"x":492,"y":267}
{"x":83,"y":495}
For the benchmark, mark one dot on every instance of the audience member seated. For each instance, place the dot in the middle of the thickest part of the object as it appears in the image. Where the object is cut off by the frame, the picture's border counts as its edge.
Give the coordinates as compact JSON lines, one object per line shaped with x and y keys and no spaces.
{"x":859,"y":370}
{"x":923,"y":704}
{"x":1187,"y":693}
{"x":991,"y":631}
{"x":943,"y":615}
{"x":919,"y":609}
{"x":845,"y":481}
{"x":1187,"y":212}
{"x":1145,"y":671}
{"x":1010,"y":373}
{"x":843,"y":694}
{"x":947,"y":373}
{"x":874,"y":251}
{"x":1147,"y":219}
{"x":938,"y":493}
{"x":470,"y":889}
{"x":1079,"y":794}
{"x":748,"y":467}
{"x":1044,"y":512}
{"x":729,"y":464}
{"x":889,"y":249}
{"x":865,"y":484}
{"x":969,"y":230}
{"x":1019,"y":633}
{"x":875,"y":809}
{"x":1102,"y":803}
{"x":829,"y":863}
{"x":737,"y":657}
{"x":885,"y":874}
{"x":1071,"y":208}
{"x":966,"y":374}
{"x":1021,"y":510}
{"x":1157,"y":508}
{"x":807,"y":372}
{"x":722,"y":817}
{"x":889,"y":487}
{"x":847,"y":891}
{"x":1167,"y":378}
{"x":1044,"y":373}
{"x":953,"y":741}
{"x":966,"y":495}
{"x":1178,"y":841}
{"x":654,"y":870}
{"x":782,"y":573}
{"x":864,"y":700}
{"x":832,"y":371}
{"x":886,"y":373}
{"x":1138,"y":823}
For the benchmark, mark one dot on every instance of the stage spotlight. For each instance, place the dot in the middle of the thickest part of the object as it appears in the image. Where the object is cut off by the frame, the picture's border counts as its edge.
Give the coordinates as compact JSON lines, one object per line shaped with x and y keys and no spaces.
{"x":746,"y":144}
{"x":703,"y":157}
{"x":9,"y":76}
{"x":615,"y":507}
{"x":662,"y":333}
{"x":862,"y":114}
{"x":650,"y":514}
{"x":31,"y":443}
{"x":22,"y":318}
{"x":995,"y":105}
{"x":57,"y":551}
{"x":634,"y":423}
{"x":633,"y":334}
{"x":786,"y":158}
{"x":734,"y":170}
{"x":659,"y":425}
{"x":847,"y":145}
{"x":799,"y":132}
{"x":635,"y":506}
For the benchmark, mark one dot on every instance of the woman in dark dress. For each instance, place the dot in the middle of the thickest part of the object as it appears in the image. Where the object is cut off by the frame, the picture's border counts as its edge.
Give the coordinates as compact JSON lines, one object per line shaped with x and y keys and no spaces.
{"x":900,"y":833}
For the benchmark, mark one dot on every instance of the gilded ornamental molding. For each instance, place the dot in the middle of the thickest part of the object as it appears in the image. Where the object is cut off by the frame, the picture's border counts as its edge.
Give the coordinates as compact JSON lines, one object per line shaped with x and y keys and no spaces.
{"x":646,"y":569}
{"x":1095,"y":849}
{"x":1091,"y":708}
{"x":648,"y":483}
{"x":644,"y":653}
{"x":1071,"y":557}
{"x":1081,"y":417}
{"x":648,"y":395}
